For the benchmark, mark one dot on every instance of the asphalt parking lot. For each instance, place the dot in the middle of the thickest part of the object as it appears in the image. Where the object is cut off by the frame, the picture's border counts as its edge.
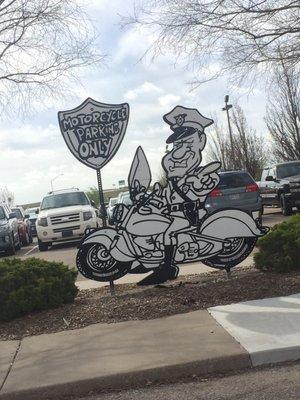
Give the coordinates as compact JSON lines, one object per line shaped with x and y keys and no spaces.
{"x":66,"y":253}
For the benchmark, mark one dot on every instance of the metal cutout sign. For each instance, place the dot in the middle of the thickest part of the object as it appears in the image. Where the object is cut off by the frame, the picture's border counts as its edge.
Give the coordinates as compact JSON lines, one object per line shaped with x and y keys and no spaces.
{"x":167,"y":226}
{"x":94,"y":131}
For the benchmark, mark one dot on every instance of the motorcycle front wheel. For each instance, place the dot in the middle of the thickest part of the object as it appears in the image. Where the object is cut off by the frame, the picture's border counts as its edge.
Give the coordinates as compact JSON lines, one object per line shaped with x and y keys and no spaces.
{"x":233,"y":253}
{"x":94,"y":261}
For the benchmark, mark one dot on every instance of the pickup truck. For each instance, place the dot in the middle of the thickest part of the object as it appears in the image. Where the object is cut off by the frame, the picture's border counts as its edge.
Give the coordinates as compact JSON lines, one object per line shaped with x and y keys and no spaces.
{"x":280,"y":185}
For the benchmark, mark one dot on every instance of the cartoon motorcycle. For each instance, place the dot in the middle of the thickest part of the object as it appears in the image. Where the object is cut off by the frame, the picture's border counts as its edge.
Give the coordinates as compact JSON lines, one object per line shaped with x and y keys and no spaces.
{"x":135,"y":245}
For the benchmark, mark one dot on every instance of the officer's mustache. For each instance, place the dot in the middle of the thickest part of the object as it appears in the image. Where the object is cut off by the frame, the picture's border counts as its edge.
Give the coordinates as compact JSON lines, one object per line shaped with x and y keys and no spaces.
{"x":183,"y":163}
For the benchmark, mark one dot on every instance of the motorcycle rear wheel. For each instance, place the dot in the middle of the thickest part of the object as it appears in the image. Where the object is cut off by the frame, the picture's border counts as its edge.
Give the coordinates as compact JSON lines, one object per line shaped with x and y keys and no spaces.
{"x":232,"y":254}
{"x":94,"y":261}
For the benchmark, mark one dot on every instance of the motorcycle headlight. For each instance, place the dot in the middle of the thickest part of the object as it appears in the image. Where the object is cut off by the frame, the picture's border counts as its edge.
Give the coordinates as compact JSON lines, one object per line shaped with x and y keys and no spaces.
{"x":42,"y":222}
{"x":118,"y":213}
{"x":87,"y":215}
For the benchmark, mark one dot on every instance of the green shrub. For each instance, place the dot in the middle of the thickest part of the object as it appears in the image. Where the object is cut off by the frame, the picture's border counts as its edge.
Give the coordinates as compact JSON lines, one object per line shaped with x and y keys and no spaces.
{"x":33,"y":285}
{"x":279,"y":250}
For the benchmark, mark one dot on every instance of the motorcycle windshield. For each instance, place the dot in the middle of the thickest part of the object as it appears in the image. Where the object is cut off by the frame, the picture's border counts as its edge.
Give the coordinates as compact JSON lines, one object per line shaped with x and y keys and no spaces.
{"x":139,"y":178}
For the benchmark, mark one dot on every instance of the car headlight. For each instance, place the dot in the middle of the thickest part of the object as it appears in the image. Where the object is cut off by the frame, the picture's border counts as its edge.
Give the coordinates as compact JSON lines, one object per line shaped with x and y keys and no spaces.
{"x":5,"y":228}
{"x":87,"y":215}
{"x":42,"y":222}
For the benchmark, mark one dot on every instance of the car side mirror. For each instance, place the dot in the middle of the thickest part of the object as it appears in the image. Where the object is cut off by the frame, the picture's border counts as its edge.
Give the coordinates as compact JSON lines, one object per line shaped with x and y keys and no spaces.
{"x":93,"y":203}
{"x":37,"y":211}
{"x":27,"y":216}
{"x":12,"y":215}
{"x":270,"y":178}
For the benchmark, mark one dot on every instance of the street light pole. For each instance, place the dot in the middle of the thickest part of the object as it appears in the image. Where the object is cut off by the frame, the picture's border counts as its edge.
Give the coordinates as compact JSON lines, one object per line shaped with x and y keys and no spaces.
{"x":227,"y":108}
{"x":52,"y":180}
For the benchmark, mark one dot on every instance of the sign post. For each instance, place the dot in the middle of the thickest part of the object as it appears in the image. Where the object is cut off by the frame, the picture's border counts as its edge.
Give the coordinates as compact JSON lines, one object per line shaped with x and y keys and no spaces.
{"x":93,"y":132}
{"x":103,"y":213}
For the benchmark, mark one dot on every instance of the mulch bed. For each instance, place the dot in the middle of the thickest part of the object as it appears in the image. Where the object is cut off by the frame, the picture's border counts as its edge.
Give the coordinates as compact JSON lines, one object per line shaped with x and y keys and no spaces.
{"x":133,"y":303}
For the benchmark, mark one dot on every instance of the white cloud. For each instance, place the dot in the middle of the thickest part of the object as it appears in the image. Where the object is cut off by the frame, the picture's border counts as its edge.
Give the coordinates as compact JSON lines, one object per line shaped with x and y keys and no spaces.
{"x":168,"y":99}
{"x":145,"y":88}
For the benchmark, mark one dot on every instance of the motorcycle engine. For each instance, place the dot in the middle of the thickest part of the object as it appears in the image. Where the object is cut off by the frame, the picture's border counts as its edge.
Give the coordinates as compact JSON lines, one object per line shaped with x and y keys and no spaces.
{"x":189,"y":250}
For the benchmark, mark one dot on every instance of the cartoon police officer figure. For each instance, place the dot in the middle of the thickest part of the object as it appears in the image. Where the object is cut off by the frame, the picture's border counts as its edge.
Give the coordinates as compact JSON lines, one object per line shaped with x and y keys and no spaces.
{"x":182,"y":200}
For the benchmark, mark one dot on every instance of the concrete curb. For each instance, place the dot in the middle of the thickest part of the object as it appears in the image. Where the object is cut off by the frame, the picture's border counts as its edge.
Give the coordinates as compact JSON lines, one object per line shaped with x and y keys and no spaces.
{"x":134,"y":379}
{"x":123,"y":355}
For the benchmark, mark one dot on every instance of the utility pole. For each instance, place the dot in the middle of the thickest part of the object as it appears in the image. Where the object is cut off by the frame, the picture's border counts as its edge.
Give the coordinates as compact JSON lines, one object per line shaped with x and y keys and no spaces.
{"x":227,"y":108}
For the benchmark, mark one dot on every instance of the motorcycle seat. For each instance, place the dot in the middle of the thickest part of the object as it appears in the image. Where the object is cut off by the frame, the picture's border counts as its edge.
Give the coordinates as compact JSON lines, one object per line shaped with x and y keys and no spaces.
{"x":147,"y":225}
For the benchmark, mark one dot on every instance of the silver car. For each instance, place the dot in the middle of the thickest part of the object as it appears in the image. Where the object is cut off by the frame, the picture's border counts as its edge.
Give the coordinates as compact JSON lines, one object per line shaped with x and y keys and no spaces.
{"x":236,"y":189}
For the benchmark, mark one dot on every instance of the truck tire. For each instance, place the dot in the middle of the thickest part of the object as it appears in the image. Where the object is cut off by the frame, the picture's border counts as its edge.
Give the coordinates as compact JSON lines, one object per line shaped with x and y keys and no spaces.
{"x":42,"y":246}
{"x":18,"y":245}
{"x":286,"y":208}
{"x":11,"y":251}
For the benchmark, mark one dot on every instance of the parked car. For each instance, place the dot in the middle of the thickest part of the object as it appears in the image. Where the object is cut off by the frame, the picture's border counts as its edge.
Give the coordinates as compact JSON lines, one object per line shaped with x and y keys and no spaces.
{"x":236,"y":189}
{"x":24,"y":226}
{"x":110,"y":209}
{"x":32,"y":216}
{"x":280,"y":186}
{"x":125,"y":199}
{"x":9,"y":231}
{"x":64,"y":216}
{"x":120,"y":196}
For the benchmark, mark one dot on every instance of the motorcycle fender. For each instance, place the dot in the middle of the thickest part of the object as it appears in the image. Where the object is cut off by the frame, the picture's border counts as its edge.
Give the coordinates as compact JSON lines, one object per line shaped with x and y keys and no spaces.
{"x":230,"y":223}
{"x":102,"y":235}
{"x":120,"y":251}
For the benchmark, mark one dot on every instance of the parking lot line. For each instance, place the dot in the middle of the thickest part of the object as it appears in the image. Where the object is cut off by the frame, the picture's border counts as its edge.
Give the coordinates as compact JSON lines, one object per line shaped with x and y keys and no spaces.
{"x":31,"y":250}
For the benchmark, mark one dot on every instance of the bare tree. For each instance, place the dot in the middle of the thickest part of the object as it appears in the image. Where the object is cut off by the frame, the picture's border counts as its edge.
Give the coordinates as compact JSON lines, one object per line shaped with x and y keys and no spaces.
{"x":249,"y":151}
{"x":239,"y":37}
{"x":219,"y":147}
{"x":42,"y":45}
{"x":283,"y":114}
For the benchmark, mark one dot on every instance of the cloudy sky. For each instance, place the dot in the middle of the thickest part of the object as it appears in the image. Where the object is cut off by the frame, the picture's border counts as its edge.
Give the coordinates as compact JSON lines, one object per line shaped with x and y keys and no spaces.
{"x":32,"y":150}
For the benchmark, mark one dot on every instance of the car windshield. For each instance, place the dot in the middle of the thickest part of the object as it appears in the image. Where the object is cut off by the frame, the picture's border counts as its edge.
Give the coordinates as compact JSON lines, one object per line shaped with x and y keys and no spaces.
{"x":288,"y":170}
{"x":31,"y":212}
{"x":2,"y":213}
{"x":17,"y":212}
{"x":234,"y":180}
{"x":64,"y":200}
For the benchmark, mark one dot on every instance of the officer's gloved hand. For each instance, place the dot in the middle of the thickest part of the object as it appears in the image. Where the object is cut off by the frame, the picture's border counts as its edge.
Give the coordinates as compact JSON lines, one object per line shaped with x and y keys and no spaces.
{"x":157,"y":189}
{"x":144,"y":210}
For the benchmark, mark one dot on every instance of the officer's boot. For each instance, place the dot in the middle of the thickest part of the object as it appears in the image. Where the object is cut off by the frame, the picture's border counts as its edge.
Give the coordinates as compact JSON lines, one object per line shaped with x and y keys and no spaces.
{"x":167,"y":271}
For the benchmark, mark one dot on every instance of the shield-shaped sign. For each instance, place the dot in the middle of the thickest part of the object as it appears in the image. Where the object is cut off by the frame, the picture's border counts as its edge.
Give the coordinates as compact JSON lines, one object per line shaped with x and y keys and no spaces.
{"x":94,"y":131}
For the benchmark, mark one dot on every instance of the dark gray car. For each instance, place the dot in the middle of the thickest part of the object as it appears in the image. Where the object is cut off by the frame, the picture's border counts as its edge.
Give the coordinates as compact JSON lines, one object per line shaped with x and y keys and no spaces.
{"x":236,"y":189}
{"x":9,"y":231}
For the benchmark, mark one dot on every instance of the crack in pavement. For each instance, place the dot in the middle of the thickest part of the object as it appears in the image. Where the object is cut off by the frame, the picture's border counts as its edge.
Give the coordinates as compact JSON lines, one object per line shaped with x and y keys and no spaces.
{"x":11,"y":364}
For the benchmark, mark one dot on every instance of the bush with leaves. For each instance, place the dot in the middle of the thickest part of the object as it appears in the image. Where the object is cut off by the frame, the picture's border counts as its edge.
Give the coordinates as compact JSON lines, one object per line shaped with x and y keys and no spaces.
{"x":33,"y":285}
{"x":279,"y":250}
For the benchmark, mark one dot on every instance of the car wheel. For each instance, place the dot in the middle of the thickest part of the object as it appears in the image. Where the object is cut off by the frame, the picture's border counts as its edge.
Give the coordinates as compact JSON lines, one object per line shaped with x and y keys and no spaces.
{"x":11,"y":251}
{"x":42,"y":246}
{"x":286,"y":209}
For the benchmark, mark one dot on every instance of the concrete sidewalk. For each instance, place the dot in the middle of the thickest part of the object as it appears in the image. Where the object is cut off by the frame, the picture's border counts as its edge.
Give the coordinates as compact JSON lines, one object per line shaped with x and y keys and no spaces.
{"x":134,"y":353}
{"x":269,"y":329}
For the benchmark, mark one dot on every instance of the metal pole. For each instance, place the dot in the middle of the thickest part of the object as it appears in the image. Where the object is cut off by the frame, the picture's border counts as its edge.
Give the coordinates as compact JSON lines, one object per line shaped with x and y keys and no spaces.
{"x":227,"y":108}
{"x":112,"y":288}
{"x":101,"y":199}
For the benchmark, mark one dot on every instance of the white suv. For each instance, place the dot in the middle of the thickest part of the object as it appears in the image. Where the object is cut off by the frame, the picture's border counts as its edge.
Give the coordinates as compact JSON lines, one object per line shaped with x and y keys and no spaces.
{"x":64,"y":216}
